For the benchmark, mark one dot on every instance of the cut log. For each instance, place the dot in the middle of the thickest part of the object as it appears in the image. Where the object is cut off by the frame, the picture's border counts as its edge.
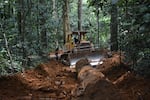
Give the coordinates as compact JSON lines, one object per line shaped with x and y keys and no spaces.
{"x":94,"y":85}
{"x":87,"y":75}
{"x":81,"y":63}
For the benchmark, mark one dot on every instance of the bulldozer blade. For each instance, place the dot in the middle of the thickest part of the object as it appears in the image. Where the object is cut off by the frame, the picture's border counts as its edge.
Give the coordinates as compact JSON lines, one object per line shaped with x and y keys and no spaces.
{"x":71,"y":58}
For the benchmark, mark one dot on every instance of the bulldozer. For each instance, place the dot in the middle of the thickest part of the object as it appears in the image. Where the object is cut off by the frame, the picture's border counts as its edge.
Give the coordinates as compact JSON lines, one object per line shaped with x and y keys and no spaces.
{"x":77,"y":42}
{"x":77,"y":47}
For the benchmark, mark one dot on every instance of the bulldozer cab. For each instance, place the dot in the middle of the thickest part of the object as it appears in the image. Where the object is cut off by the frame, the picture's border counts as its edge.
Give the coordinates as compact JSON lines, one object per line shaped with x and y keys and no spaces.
{"x":81,"y":43}
{"x":79,"y":36}
{"x":74,"y":39}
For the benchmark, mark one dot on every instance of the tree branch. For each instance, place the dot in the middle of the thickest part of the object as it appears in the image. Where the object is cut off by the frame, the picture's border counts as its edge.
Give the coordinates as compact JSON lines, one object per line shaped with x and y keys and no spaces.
{"x":8,"y":51}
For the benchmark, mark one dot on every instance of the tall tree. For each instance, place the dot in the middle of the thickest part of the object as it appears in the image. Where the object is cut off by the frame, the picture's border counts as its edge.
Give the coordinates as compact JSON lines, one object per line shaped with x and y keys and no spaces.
{"x":55,"y":17}
{"x":43,"y":34}
{"x":66,"y":24}
{"x":98,"y":22}
{"x":79,"y":15}
{"x":21,"y":28}
{"x":98,"y":5}
{"x":114,"y":27}
{"x":37,"y":25}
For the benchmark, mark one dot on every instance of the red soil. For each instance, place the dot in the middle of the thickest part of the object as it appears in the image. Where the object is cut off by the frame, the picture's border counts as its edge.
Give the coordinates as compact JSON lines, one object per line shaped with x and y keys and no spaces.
{"x":54,"y":81}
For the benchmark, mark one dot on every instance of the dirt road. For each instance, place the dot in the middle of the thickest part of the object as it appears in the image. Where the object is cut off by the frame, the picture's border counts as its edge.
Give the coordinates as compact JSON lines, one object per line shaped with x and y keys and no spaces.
{"x":54,"y":81}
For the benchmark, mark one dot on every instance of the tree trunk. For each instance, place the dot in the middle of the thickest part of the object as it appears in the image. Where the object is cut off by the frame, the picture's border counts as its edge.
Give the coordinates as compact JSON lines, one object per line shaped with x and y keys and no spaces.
{"x":43,"y":29}
{"x":23,"y":34}
{"x":55,"y":17}
{"x":66,"y":24}
{"x":98,"y":26}
{"x":21,"y":29}
{"x":37,"y":24}
{"x":79,"y":15}
{"x":114,"y":28}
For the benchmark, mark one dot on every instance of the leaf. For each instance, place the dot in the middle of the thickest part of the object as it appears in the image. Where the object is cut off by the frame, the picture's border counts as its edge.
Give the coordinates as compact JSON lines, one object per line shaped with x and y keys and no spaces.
{"x":114,"y":1}
{"x":146,"y":17}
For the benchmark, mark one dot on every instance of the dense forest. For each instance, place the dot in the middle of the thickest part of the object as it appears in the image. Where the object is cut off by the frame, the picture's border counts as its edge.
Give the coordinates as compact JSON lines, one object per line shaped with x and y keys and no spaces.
{"x":37,"y":27}
{"x":74,"y":49}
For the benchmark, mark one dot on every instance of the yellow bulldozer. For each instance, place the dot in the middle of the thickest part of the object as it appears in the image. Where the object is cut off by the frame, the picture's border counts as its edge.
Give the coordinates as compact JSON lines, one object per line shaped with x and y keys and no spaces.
{"x":77,"y":41}
{"x":77,"y":47}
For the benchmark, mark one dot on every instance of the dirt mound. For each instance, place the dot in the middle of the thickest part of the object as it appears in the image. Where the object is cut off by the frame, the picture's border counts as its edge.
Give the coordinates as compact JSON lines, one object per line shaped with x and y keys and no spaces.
{"x":12,"y":88}
{"x":102,"y":90}
{"x":115,"y":72}
{"x":113,"y":67}
{"x":46,"y":81}
{"x":42,"y":76}
{"x":135,"y":87}
{"x":131,"y":85}
{"x":54,"y":81}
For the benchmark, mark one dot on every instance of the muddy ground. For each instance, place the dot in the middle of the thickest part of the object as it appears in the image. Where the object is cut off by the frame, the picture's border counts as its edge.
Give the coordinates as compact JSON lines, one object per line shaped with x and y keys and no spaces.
{"x":55,"y":81}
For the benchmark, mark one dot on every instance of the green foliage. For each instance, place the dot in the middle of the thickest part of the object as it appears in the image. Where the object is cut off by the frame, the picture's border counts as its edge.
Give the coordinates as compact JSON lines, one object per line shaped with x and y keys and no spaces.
{"x":133,"y":20}
{"x":33,"y":12}
{"x":143,"y":64}
{"x":104,"y":22}
{"x":135,"y":33}
{"x":5,"y":64}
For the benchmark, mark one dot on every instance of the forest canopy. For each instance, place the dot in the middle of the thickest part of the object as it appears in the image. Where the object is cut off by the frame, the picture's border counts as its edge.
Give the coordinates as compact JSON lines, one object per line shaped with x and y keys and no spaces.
{"x":36,"y":27}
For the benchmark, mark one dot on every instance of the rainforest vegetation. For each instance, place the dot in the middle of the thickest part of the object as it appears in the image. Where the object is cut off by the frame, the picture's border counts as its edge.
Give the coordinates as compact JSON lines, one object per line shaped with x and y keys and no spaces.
{"x":37,"y":27}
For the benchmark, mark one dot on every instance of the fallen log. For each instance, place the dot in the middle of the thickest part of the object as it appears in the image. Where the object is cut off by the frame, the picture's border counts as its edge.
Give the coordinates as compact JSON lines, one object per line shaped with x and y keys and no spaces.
{"x":81,"y":63}
{"x":94,"y":85}
{"x":86,"y":75}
